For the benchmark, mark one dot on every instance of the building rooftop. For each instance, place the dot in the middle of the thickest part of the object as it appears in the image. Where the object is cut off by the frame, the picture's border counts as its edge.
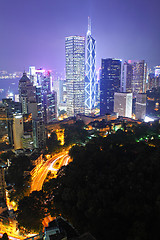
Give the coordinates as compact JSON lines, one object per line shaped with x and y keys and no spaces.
{"x":24,"y":78}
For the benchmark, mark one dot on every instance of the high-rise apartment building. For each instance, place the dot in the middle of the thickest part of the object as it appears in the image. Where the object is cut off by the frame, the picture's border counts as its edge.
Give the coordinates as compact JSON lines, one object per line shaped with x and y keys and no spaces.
{"x":2,"y":184}
{"x":123,"y":104}
{"x":18,"y":131}
{"x":75,"y":74}
{"x":90,"y":79}
{"x":109,"y":83}
{"x":39,"y":137}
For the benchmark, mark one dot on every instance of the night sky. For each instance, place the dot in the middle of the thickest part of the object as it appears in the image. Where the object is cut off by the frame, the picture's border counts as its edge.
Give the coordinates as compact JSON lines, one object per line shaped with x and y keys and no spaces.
{"x":32,"y":32}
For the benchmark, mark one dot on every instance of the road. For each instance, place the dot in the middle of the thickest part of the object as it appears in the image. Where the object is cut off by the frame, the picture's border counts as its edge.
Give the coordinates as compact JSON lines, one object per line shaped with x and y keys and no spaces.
{"x":53,"y":164}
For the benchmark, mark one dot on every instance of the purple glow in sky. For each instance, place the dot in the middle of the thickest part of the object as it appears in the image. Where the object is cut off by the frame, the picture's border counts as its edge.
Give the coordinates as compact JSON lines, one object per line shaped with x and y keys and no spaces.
{"x":33,"y":31}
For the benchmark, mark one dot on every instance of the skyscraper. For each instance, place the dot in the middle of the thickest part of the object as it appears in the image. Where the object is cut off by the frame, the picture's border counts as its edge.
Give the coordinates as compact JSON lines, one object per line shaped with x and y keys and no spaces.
{"x":157,"y":71}
{"x":50,"y":106}
{"x":75,"y":74}
{"x":139,"y":76}
{"x":109,"y":83}
{"x":39,"y":137}
{"x":27,"y":96}
{"x":127,"y":77}
{"x":90,"y":79}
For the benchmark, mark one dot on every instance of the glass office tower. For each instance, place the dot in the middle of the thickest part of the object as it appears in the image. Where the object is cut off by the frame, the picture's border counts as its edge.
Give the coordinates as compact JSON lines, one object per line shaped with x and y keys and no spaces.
{"x":90,"y":78}
{"x":75,"y":74}
{"x":109,"y":84}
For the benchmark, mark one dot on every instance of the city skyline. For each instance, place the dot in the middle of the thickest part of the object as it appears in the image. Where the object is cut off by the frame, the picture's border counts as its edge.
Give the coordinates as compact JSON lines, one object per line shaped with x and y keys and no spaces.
{"x":33,"y":32}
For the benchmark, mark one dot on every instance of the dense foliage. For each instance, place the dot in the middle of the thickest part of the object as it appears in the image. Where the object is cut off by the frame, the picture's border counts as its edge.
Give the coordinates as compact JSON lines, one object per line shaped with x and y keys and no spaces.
{"x":7,"y":155}
{"x":112,"y":189}
{"x":17,"y":177}
{"x":52,"y":143}
{"x":75,"y":133}
{"x":31,"y":211}
{"x":4,"y":237}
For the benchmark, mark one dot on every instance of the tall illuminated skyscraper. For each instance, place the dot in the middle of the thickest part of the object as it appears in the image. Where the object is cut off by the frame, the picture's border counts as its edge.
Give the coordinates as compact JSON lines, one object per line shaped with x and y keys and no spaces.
{"x":90,"y":78}
{"x":127,"y":77}
{"x":139,"y":76}
{"x":75,"y":74}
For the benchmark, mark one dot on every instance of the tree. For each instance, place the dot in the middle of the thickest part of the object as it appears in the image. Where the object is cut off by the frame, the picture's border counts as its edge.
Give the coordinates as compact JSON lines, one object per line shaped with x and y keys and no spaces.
{"x":5,"y":237}
{"x":31,"y":211}
{"x":52,"y":143}
{"x":7,"y":155}
{"x":16,"y":177}
{"x":75,"y":133}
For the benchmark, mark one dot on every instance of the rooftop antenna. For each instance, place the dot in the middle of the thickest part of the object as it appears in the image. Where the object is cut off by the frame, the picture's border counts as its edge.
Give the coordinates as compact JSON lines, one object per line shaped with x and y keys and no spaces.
{"x":89,"y":26}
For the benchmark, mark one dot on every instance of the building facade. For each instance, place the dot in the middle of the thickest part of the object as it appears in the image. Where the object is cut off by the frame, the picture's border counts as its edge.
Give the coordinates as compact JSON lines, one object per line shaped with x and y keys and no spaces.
{"x":75,"y":74}
{"x":139,"y":76}
{"x":27,"y":95}
{"x":2,"y":183}
{"x":134,"y":75}
{"x":18,"y":131}
{"x":109,"y":83}
{"x":141,"y":106}
{"x":50,"y":106}
{"x":127,"y":76}
{"x":39,"y":136}
{"x":123,"y":104}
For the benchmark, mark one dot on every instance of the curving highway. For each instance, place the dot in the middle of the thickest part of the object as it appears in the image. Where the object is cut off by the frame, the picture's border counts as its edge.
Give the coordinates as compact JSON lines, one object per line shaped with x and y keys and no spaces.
{"x":53,"y":164}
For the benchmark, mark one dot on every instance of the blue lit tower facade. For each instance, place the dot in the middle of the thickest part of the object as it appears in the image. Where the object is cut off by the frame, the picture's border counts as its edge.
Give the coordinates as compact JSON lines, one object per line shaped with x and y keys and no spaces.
{"x":75,"y":74}
{"x":90,"y":78}
{"x":109,"y":83}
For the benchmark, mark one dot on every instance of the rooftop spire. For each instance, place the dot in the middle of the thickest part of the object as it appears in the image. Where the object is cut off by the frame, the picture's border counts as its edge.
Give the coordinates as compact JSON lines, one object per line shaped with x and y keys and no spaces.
{"x":89,"y":26}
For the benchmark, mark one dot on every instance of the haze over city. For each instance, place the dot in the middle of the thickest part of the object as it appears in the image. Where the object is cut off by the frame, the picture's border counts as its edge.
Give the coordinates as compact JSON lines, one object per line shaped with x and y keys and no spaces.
{"x":33,"y":32}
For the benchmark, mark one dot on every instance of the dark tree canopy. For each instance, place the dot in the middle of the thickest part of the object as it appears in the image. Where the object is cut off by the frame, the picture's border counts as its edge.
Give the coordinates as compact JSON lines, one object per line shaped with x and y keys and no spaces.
{"x":111,"y":189}
{"x":5,"y":237}
{"x":75,"y":133}
{"x":16,"y":176}
{"x":31,"y":211}
{"x":52,"y":143}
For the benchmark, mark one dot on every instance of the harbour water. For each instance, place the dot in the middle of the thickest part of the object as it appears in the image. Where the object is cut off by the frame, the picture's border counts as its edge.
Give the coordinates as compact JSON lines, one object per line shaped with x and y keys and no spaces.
{"x":8,"y":87}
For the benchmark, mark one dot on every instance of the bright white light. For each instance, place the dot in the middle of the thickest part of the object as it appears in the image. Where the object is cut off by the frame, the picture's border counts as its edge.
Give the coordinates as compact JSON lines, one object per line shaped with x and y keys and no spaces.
{"x":18,"y":116}
{"x":148,"y":119}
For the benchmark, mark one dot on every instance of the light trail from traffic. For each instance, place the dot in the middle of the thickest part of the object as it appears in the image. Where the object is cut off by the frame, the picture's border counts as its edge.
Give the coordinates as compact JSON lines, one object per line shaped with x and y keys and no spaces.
{"x":41,"y":172}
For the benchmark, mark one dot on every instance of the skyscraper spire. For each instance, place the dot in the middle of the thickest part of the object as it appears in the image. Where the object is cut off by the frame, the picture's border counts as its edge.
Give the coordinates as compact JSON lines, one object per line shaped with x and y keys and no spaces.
{"x":89,"y":26}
